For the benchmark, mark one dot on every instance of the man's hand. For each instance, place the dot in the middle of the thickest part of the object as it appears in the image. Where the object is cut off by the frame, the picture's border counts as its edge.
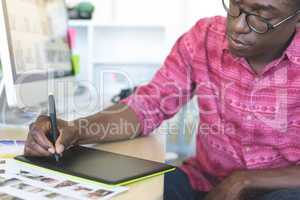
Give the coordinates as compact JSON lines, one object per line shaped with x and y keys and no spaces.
{"x":231,"y":188}
{"x":38,"y":143}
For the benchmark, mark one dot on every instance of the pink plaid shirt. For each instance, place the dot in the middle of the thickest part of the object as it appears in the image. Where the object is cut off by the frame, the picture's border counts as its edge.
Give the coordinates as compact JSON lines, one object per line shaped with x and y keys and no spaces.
{"x":247,"y":121}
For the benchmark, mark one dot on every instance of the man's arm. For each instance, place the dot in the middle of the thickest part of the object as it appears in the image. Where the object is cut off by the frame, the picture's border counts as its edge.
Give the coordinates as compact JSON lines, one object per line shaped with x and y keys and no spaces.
{"x":233,"y":187}
{"x":170,"y":89}
{"x":274,"y":178}
{"x":118,"y":122}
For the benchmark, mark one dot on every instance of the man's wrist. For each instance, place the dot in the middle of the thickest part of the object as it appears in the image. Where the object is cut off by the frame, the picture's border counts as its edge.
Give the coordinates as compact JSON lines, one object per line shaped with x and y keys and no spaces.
{"x":76,"y":131}
{"x":84,"y":133}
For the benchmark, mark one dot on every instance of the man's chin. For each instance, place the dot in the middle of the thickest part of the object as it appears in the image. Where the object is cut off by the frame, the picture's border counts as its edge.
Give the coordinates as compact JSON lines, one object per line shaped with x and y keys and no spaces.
{"x":238,"y":53}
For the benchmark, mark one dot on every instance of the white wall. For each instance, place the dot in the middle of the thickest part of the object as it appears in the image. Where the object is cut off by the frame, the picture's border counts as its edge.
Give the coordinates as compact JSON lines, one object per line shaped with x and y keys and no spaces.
{"x":177,"y":14}
{"x":197,"y":9}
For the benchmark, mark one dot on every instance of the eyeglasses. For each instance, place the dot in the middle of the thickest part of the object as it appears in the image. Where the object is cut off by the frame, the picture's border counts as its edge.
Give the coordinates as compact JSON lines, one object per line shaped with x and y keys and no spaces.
{"x":255,"y":22}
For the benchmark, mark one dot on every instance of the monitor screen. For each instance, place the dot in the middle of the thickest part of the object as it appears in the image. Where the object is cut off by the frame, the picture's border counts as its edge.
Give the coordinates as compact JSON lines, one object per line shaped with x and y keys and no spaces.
{"x":37,"y":37}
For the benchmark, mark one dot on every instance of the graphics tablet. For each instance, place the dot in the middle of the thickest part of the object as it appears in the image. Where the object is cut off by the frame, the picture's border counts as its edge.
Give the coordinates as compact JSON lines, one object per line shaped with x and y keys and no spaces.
{"x":100,"y":166}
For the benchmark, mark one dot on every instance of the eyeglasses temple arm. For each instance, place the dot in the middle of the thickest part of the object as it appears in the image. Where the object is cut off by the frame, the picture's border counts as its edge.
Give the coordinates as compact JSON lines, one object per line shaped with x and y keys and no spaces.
{"x":288,"y":18}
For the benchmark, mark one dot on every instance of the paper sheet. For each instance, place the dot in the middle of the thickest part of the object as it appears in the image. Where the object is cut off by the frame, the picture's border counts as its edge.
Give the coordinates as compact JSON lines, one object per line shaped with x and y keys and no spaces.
{"x":18,"y":181}
{"x":11,"y":148}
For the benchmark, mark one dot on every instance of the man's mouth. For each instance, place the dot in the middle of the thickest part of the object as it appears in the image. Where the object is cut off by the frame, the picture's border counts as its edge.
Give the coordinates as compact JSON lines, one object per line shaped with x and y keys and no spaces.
{"x":237,"y":44}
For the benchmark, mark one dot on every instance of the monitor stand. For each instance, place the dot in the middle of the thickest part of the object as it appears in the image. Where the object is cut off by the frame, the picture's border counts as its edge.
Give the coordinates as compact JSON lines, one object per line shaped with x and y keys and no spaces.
{"x":15,"y":117}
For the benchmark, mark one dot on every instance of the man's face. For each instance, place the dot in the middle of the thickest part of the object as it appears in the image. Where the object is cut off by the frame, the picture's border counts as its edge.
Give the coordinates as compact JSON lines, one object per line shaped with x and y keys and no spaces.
{"x":254,"y":44}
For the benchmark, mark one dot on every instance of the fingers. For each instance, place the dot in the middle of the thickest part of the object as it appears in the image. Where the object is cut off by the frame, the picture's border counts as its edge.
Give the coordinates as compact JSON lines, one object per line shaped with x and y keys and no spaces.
{"x":34,"y":149}
{"x":40,"y":137}
{"x":37,"y":143}
{"x":64,"y":141}
{"x":60,"y":144}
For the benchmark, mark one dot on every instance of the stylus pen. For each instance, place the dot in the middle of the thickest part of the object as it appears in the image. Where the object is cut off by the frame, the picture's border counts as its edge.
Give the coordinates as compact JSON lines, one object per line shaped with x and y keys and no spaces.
{"x":52,"y":115}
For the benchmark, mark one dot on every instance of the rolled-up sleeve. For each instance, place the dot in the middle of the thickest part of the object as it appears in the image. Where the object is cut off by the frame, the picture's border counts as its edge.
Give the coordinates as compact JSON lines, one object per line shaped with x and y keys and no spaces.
{"x":168,"y":91}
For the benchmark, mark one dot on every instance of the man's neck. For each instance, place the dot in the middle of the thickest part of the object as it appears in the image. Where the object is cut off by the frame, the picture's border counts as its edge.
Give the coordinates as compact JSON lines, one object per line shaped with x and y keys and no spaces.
{"x":258,"y":63}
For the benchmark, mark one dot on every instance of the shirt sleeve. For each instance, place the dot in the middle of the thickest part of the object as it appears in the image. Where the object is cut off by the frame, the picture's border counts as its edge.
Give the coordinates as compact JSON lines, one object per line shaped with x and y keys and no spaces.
{"x":168,"y":91}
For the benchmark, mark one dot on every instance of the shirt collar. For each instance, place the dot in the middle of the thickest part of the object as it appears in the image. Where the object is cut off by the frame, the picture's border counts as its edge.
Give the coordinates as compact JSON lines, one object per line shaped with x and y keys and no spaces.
{"x":293,"y":50}
{"x":225,"y":43}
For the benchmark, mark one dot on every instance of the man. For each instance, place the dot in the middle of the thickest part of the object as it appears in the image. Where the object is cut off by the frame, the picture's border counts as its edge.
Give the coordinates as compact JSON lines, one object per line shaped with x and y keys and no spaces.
{"x":245,"y":71}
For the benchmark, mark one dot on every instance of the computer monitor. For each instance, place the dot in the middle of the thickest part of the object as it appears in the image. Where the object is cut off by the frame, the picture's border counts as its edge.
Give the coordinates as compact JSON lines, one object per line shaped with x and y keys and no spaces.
{"x":35,"y":51}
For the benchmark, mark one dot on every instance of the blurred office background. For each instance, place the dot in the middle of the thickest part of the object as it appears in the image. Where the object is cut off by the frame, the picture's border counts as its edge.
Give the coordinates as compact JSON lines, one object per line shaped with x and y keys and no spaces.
{"x":130,"y":39}
{"x":124,"y":42}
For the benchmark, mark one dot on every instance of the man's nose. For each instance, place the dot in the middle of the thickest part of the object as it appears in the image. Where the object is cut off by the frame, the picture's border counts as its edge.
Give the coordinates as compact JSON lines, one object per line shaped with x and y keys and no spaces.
{"x":239,"y":25}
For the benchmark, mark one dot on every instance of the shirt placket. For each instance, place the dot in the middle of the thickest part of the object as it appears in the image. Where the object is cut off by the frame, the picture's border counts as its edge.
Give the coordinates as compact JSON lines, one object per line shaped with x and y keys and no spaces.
{"x":248,"y":139}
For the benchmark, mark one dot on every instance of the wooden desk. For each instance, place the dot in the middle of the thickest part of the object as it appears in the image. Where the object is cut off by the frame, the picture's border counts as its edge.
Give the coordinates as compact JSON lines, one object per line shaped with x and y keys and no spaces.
{"x":152,"y":148}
